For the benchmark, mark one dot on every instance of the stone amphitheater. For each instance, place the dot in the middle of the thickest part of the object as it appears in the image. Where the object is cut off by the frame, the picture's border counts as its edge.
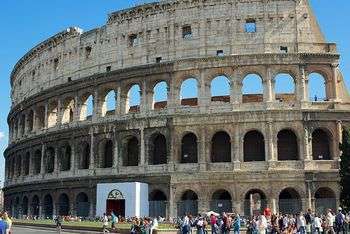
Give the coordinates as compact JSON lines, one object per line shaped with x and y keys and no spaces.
{"x":235,"y":152}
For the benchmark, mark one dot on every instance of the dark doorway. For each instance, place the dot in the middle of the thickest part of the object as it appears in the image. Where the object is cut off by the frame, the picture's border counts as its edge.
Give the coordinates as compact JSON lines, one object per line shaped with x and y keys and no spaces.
{"x":117,"y":206}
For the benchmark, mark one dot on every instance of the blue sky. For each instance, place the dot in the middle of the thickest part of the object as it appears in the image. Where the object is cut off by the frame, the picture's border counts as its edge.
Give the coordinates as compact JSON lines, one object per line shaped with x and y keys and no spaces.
{"x":25,"y":23}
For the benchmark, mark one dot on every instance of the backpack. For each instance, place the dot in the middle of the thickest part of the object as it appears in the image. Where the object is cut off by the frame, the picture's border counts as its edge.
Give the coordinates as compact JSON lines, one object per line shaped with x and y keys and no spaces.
{"x":339,"y":219}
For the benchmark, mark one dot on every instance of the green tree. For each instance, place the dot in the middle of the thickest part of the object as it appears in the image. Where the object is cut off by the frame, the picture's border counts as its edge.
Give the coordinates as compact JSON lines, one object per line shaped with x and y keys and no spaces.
{"x":345,"y":170}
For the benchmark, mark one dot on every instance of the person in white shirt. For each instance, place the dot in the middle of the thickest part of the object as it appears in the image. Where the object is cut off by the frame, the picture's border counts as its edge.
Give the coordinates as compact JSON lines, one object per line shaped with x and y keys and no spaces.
{"x":318,"y":224}
{"x":301,"y":223}
{"x":262,"y":224}
{"x":105,"y":223}
{"x":330,"y":218}
{"x":154,"y":225}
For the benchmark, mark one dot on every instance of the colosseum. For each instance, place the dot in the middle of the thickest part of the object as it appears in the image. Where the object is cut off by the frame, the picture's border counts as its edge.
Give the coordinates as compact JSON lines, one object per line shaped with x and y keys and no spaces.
{"x":101,"y":120}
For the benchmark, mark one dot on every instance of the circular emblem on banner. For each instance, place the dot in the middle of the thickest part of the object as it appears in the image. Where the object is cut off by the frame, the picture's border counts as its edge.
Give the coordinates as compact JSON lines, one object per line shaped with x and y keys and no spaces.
{"x":115,"y":195}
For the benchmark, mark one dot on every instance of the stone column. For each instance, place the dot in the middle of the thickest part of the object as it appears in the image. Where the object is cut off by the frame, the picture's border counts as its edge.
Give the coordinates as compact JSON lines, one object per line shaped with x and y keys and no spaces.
{"x":116,"y":153}
{"x":57,"y":160}
{"x":274,"y":205}
{"x":338,"y":139}
{"x":271,"y":156}
{"x":76,"y":110}
{"x":73,"y":167}
{"x":172,"y":202}
{"x":268,"y":86}
{"x":92,"y":154}
{"x":335,"y":82}
{"x":142,"y":147}
{"x":42,"y":162}
{"x":236,"y":149}
{"x":307,"y":144}
{"x":237,"y":90}
{"x":46,"y":117}
{"x":303,"y":83}
{"x":96,"y":112}
{"x":118,"y":102}
{"x":309,"y":195}
{"x":59,"y":112}
{"x":35,"y":122}
{"x":204,"y":91}
{"x":201,"y":150}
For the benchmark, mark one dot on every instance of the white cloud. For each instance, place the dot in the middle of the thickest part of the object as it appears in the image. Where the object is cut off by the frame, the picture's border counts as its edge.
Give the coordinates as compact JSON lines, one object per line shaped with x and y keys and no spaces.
{"x":2,"y":136}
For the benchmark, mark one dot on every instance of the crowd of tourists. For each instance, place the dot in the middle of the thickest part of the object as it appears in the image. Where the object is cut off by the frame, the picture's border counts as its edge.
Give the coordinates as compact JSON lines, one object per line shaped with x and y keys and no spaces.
{"x":267,"y":223}
{"x":5,"y":223}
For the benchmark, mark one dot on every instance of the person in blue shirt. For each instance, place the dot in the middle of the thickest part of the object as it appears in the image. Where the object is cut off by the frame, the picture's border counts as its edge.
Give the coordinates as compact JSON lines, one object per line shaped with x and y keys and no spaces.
{"x":237,"y":225}
{"x":3,"y":227}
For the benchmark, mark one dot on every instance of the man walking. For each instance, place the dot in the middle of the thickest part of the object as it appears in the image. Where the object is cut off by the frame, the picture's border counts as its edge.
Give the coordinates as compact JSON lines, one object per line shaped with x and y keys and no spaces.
{"x":340,"y":221}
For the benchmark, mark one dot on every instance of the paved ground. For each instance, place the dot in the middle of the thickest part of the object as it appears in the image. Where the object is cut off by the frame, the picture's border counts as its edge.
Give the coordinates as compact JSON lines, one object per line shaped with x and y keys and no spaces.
{"x":28,"y":230}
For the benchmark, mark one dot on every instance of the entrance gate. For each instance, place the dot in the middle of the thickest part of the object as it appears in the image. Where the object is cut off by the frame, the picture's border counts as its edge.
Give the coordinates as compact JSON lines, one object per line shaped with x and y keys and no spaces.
{"x":115,"y":203}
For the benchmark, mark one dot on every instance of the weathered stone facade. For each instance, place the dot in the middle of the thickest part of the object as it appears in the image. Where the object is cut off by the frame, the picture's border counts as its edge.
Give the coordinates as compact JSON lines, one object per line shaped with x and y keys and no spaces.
{"x":206,"y":150}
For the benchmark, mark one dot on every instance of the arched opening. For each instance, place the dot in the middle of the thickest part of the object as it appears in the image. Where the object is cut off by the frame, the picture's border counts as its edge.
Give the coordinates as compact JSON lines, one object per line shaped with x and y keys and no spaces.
{"x":37,"y":162}
{"x":84,"y":155}
{"x":133,"y":101}
{"x":252,"y":89}
{"x":65,"y":158}
{"x":63,"y":205}
{"x":108,"y":154}
{"x":158,"y":149}
{"x":68,"y":110}
{"x":52,"y":114}
{"x":26,"y":164}
{"x":50,"y":160}
{"x":157,"y":204}
{"x":30,"y":121}
{"x":48,"y":207}
{"x":25,"y":206}
{"x":40,"y":118}
{"x":189,"y":149}
{"x":317,"y":88}
{"x":221,"y":147}
{"x":132,"y":152}
{"x":287,"y":145}
{"x":320,"y":145}
{"x":254,"y":147}
{"x":115,"y":203}
{"x":289,"y":201}
{"x":188,"y":203}
{"x":325,"y":199}
{"x":189,"y":92}
{"x":87,"y":107}
{"x":82,"y":205}
{"x":160,"y":95}
{"x":284,"y":88}
{"x":109,"y":104}
{"x":220,"y":88}
{"x":35,"y":206}
{"x":254,"y":202}
{"x":221,"y":201}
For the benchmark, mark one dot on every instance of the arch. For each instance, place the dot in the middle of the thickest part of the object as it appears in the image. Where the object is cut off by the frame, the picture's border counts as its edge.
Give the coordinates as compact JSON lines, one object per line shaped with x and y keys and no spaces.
{"x":25,"y":206}
{"x":289,"y":201}
{"x":68,"y":110}
{"x":284,"y":87}
{"x":252,"y":88}
{"x":325,"y":199}
{"x":82,"y":205}
{"x":65,"y":157}
{"x":158,"y":149}
{"x":52,"y":113}
{"x":320,"y":145}
{"x":48,"y":206}
{"x":133,"y":101}
{"x":189,"y":92}
{"x":254,"y":146}
{"x":35,"y":206}
{"x":255,"y":202}
{"x":317,"y":87}
{"x":157,"y":204}
{"x":160,"y":95}
{"x":132,"y":152}
{"x":221,"y":147}
{"x":221,"y":201}
{"x":116,"y":203}
{"x":40,"y":118}
{"x":220,"y":88}
{"x":107,"y":153}
{"x":109,"y":103}
{"x":189,"y":148}
{"x":30,"y":121}
{"x":287,"y":145}
{"x":84,"y":155}
{"x":63,"y":205}
{"x":26,"y":163}
{"x":37,"y":162}
{"x":188,"y":203}
{"x":50,"y":160}
{"x":87,"y":107}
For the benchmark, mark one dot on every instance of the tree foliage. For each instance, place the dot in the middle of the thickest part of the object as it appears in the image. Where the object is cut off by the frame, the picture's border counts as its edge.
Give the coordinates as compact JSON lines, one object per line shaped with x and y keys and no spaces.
{"x":345,"y":170}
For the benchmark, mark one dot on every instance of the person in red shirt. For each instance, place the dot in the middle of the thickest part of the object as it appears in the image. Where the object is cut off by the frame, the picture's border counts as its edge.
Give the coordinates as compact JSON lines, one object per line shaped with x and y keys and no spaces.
{"x":213,"y":223}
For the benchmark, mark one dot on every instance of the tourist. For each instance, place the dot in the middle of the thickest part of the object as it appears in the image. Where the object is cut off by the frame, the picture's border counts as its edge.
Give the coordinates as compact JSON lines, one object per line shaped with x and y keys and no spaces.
{"x":213,"y":224}
{"x":114,"y":221}
{"x":330,"y":219}
{"x":8,"y":221}
{"x":154,"y":225}
{"x":274,"y":224}
{"x":301,"y":223}
{"x":58,"y":221}
{"x":262,"y":224}
{"x":317,"y":224}
{"x":340,"y":221}
{"x":105,"y":223}
{"x":186,"y":226}
{"x":237,"y":224}
{"x":308,"y":218}
{"x":200,"y":225}
{"x":3,"y":227}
